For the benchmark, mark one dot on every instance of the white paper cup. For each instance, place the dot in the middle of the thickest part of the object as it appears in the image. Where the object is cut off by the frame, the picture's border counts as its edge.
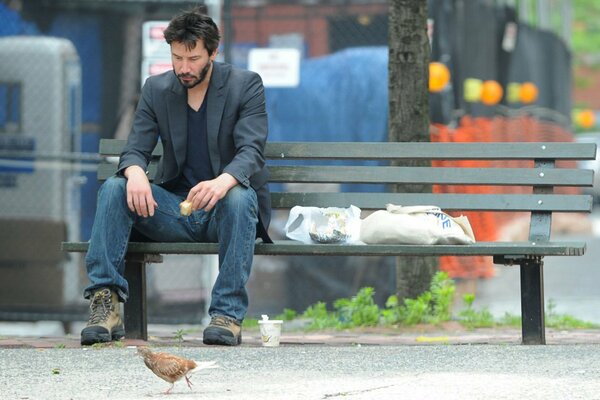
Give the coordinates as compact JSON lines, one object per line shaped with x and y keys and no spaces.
{"x":270,"y":332}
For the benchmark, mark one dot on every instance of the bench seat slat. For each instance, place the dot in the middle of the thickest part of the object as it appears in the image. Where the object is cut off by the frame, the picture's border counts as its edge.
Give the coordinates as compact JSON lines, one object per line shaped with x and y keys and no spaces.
{"x":405,"y":150}
{"x":290,"y":247}
{"x":475,"y":202}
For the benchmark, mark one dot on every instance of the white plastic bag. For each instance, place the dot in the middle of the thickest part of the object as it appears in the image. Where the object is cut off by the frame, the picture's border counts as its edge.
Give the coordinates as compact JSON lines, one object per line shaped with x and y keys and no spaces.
{"x":324,"y":225}
{"x":415,"y":225}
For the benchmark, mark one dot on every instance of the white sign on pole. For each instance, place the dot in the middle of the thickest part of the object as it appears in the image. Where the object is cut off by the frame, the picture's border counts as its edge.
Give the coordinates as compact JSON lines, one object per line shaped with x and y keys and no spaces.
{"x":277,"y":67}
{"x":153,"y":40}
{"x":155,"y":66}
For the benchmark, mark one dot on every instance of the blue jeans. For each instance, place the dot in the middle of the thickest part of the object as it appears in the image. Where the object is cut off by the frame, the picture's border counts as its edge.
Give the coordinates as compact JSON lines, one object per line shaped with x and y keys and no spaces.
{"x":231,"y":223}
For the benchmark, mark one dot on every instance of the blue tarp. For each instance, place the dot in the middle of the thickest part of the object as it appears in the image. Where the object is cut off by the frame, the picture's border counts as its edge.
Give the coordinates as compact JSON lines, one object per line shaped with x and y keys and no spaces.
{"x":84,"y":32}
{"x":12,"y":24}
{"x":341,"y":97}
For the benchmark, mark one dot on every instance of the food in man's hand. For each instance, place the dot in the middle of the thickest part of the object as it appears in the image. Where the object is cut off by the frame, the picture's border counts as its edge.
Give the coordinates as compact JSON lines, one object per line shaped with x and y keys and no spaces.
{"x":185,"y":208}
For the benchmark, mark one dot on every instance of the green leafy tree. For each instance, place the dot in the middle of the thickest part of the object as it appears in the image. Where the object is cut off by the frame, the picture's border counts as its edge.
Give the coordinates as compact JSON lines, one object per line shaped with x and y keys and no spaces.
{"x":586,"y":29}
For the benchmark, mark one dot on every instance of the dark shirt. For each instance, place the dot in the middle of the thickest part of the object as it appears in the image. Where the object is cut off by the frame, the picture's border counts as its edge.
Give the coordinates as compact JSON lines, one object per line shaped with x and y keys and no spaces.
{"x":197,"y":166}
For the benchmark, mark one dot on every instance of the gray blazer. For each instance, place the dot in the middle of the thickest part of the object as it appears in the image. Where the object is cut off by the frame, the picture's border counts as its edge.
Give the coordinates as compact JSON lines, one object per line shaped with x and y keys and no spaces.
{"x":236,"y":127}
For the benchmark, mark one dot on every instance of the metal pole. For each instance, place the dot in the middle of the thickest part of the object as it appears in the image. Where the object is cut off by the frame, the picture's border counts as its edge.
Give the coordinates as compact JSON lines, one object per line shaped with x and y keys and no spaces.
{"x":227,"y":30}
{"x":543,"y":14}
{"x":567,"y":16}
{"x":524,"y":11}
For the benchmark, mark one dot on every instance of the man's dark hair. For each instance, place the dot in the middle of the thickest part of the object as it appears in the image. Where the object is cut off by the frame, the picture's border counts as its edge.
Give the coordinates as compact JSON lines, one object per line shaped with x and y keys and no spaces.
{"x":191,"y":26}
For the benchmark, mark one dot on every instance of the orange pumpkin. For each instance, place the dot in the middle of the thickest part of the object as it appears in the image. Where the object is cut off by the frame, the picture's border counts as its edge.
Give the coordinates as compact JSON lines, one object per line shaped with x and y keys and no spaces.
{"x":439,"y":76}
{"x":528,"y":93}
{"x":491,"y":93}
{"x":586,"y":118}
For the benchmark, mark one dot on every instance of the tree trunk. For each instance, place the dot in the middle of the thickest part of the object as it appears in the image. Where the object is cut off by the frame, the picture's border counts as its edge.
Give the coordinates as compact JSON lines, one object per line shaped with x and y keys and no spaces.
{"x":409,"y":55}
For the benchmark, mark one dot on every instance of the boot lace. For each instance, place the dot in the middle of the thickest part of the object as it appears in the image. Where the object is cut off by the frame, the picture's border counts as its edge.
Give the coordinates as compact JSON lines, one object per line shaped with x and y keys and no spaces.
{"x":221,"y":321}
{"x":100,"y":307}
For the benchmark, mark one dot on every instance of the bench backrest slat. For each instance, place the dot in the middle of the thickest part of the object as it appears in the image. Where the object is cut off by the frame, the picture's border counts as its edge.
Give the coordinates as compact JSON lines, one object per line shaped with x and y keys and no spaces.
{"x":404,"y":150}
{"x":446,"y":201}
{"x":420,"y":175}
{"x":430,"y":151}
{"x":446,"y":176}
{"x":307,"y":184}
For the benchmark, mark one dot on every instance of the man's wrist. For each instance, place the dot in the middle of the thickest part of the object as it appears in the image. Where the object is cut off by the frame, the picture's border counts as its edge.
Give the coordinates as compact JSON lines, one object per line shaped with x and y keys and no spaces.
{"x":132,"y":169}
{"x":229,"y":179}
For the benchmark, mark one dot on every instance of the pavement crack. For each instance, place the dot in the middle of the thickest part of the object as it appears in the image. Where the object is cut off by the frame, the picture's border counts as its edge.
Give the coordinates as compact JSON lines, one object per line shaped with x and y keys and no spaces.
{"x":353,"y":392}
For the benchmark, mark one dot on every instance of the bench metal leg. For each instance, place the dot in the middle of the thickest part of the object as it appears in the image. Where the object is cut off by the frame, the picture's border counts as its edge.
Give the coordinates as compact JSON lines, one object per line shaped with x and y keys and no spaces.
{"x":136,"y":315}
{"x":532,"y":302}
{"x":136,"y":319}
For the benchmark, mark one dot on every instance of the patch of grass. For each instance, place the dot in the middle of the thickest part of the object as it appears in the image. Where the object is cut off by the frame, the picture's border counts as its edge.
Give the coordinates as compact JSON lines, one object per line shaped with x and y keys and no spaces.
{"x":250,"y":323}
{"x":471,"y":318}
{"x":287,"y":315}
{"x":360,"y":310}
{"x":511,"y":320}
{"x":431,"y":307}
{"x":564,"y":321}
{"x":320,"y":318}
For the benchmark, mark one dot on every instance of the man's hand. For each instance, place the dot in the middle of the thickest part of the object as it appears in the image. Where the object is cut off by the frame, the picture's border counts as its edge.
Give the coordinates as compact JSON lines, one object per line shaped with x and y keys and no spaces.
{"x":139,"y":193}
{"x":206,"y":194}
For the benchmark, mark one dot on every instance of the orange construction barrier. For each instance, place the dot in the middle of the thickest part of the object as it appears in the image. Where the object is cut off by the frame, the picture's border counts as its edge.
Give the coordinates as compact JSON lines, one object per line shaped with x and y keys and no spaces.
{"x":488,"y":226}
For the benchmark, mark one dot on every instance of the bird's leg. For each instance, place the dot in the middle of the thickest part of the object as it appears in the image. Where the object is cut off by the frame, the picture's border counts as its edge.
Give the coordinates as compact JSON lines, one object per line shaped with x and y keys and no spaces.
{"x":169,"y":389}
{"x":189,"y":383}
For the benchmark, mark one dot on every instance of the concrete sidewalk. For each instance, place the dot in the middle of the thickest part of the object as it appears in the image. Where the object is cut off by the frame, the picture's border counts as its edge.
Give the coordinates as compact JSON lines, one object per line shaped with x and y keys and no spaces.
{"x":420,"y":363}
{"x":315,"y":367}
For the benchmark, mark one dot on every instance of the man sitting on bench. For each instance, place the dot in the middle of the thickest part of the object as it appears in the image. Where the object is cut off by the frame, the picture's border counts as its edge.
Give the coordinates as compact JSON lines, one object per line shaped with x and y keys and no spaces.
{"x":211,"y":120}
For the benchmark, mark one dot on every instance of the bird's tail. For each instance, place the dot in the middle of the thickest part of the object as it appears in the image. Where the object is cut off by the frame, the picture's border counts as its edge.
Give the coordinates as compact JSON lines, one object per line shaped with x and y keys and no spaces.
{"x":200,"y":365}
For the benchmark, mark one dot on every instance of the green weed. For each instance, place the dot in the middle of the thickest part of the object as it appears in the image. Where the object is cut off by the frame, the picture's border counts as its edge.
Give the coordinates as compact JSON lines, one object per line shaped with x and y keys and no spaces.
{"x":472,"y":318}
{"x":250,"y":323}
{"x":564,"y":321}
{"x":287,"y":315}
{"x":360,"y":310}
{"x":431,"y":307}
{"x":320,"y":318}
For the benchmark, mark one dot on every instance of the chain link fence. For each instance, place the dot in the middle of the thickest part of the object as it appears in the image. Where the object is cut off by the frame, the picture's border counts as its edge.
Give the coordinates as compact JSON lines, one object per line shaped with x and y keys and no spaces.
{"x":56,"y":103}
{"x":55,"y":108}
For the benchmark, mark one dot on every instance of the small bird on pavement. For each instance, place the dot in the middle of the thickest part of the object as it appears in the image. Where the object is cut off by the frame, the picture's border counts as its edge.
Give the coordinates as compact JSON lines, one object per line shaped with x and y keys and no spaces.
{"x":172,"y":368}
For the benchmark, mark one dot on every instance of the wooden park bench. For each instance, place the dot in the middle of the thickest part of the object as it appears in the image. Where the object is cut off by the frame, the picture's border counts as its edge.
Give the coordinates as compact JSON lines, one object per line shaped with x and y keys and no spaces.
{"x":536,"y":177}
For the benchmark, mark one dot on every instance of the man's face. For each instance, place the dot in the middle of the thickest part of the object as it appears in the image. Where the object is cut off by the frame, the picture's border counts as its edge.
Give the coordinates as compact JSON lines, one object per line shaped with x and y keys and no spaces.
{"x":191,"y":66}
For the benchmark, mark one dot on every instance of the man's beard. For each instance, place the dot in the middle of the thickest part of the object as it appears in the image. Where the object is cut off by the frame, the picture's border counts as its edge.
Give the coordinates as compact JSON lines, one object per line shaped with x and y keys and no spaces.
{"x":199,"y":79}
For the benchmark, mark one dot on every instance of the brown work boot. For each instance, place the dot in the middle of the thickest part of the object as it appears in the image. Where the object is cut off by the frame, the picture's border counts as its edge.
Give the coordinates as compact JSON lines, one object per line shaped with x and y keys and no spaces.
{"x":223,"y":331}
{"x":105,"y":322}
